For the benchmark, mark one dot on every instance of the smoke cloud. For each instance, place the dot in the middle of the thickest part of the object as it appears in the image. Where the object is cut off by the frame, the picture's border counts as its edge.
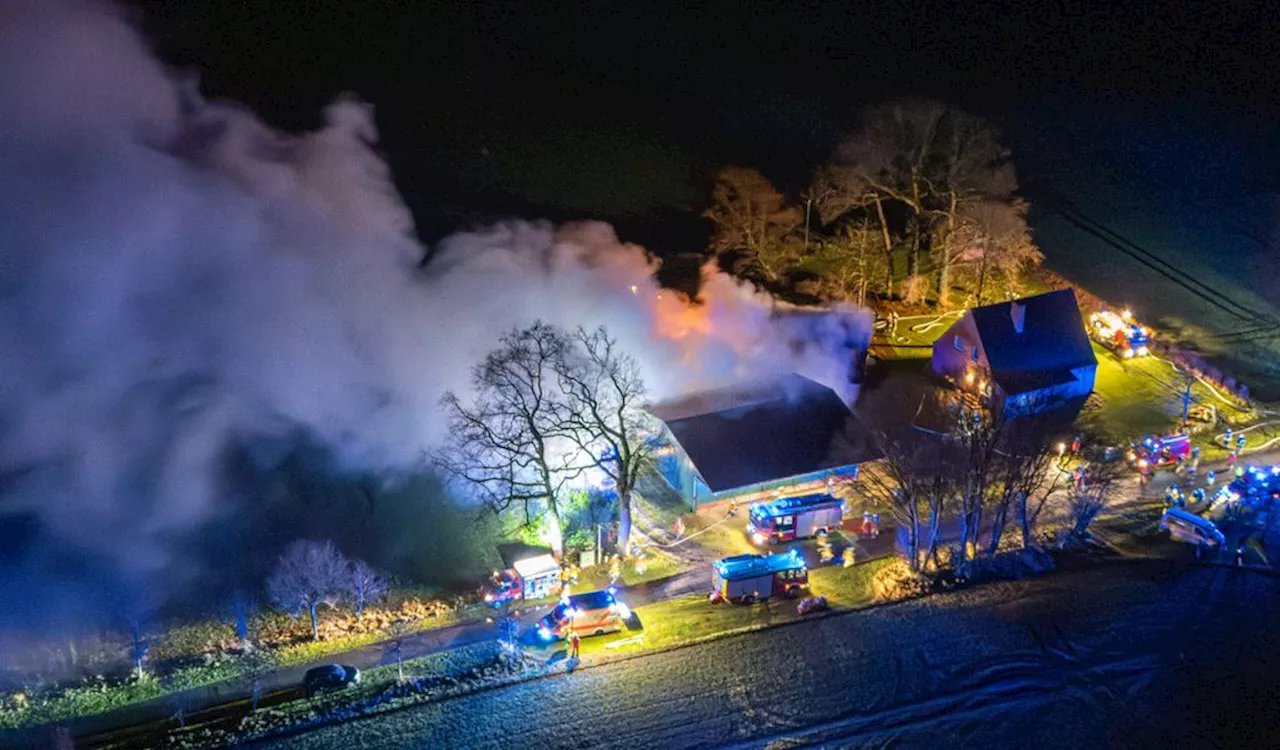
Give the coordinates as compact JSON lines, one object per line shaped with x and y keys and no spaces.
{"x":177,"y":277}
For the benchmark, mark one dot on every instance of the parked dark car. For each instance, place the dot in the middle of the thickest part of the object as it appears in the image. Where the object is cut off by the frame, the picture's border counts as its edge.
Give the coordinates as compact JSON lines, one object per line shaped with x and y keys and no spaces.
{"x":330,"y":677}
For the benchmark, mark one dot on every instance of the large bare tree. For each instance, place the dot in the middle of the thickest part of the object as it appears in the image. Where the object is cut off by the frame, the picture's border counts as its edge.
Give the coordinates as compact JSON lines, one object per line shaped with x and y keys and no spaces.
{"x":603,"y":414}
{"x":915,"y":480}
{"x":947,"y":179}
{"x":509,"y":444}
{"x":753,"y":219}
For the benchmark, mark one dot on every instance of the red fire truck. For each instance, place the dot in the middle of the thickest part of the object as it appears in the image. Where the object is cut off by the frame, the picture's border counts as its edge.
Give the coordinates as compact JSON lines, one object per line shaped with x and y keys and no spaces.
{"x":790,"y":518}
{"x":746,"y":579}
{"x":1162,"y":452}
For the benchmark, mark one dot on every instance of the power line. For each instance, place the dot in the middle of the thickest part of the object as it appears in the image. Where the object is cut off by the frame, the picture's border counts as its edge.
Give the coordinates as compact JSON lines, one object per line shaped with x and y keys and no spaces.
{"x":1144,"y":258}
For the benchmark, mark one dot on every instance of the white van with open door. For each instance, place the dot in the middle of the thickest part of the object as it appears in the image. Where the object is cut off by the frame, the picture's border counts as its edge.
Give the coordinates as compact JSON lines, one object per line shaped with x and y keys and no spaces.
{"x":1186,"y":526}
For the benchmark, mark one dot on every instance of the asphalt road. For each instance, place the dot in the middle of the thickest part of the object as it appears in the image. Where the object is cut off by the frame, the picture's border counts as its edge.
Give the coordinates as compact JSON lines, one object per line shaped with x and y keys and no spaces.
{"x":1137,"y":654}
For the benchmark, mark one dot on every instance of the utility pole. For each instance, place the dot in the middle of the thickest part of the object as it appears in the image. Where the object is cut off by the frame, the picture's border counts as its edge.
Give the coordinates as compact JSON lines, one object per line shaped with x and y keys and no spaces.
{"x":808,"y":204}
{"x":1186,"y":399}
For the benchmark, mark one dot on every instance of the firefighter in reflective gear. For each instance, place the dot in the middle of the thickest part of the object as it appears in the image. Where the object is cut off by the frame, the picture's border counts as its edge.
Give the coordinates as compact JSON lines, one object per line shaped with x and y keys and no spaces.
{"x":866,"y":523}
{"x":1231,"y":460}
{"x":848,"y":556}
{"x":575,"y":642}
{"x":1075,"y":445}
{"x":1171,"y":495}
{"x":1240,"y":444}
{"x":1197,"y":496}
{"x":1226,"y":439}
{"x":1211,"y":478}
{"x":1239,"y":472}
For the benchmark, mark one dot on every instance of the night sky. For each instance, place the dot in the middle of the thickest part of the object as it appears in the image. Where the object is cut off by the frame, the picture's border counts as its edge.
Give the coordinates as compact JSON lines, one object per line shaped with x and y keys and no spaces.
{"x":1153,"y":118}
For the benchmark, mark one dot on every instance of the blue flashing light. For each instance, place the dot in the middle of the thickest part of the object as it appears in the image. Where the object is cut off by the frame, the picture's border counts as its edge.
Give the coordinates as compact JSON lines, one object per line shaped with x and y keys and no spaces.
{"x":613,"y":590}
{"x":544,"y":633}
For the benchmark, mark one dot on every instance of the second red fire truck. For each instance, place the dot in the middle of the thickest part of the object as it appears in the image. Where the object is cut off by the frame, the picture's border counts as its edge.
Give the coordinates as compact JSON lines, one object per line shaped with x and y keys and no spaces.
{"x":789,"y":518}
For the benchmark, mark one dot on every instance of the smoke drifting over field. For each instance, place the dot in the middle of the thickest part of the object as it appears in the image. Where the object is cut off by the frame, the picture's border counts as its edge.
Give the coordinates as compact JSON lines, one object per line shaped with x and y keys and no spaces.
{"x":176,"y":278}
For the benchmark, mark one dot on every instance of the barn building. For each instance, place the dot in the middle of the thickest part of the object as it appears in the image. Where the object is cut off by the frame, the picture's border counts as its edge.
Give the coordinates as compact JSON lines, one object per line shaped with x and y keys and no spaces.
{"x":789,"y":435}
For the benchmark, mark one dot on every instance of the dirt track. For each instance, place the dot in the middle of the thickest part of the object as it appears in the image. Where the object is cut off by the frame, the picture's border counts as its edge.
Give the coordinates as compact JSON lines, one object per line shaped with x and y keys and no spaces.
{"x":1131,"y":655}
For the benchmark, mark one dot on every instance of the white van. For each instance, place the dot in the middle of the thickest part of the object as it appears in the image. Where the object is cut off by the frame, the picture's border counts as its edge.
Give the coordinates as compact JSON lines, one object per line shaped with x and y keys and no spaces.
{"x":1192,"y":529}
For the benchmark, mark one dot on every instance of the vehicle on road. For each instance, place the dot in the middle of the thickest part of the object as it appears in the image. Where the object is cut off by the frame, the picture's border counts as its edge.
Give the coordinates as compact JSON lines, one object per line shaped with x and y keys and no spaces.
{"x":330,"y":677}
{"x":594,"y":613}
{"x":746,"y":579}
{"x":530,"y":578}
{"x":789,"y":518}
{"x":1186,"y":526}
{"x":1160,"y":452}
{"x":1120,"y":333}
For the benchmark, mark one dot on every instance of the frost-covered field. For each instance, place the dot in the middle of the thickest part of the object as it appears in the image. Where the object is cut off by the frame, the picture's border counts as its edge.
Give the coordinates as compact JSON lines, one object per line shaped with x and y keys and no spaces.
{"x":1149,"y":654}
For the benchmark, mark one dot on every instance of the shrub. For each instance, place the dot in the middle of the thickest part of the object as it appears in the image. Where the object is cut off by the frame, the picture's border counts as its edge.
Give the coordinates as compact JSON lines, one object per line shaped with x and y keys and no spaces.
{"x":897,"y":581}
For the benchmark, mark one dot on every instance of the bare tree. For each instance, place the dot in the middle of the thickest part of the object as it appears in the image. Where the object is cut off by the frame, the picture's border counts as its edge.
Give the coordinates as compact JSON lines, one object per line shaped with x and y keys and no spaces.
{"x":888,"y":161}
{"x":1086,"y":500}
{"x":604,"y":415}
{"x":946,"y":173}
{"x":914,"y":477}
{"x":366,"y":587}
{"x":850,"y":264}
{"x":753,"y":218}
{"x":256,"y":664}
{"x":398,"y":633}
{"x":1025,"y":477}
{"x":979,"y":435}
{"x":307,"y":575}
{"x":508,"y":444}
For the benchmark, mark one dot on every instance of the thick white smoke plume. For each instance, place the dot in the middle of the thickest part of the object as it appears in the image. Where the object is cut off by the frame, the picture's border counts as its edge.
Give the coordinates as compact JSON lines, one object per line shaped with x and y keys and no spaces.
{"x":176,"y":276}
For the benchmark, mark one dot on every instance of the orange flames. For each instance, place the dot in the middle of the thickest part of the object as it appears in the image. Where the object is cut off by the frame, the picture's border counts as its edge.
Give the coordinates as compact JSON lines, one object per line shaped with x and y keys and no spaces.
{"x":676,"y":317}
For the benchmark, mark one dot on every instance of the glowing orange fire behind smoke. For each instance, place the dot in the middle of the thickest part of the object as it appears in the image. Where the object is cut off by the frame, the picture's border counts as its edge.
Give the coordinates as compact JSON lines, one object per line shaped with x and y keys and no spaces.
{"x":676,"y":317}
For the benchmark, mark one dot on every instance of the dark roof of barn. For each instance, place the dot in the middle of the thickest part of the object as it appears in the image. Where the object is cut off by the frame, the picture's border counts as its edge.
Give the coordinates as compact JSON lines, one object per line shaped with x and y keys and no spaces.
{"x":514,"y":551}
{"x":1053,"y":341}
{"x":786,"y":428}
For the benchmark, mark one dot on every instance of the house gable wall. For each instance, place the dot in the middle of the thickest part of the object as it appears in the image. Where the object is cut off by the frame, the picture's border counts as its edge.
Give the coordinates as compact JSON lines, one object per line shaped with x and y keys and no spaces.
{"x":953,"y":363}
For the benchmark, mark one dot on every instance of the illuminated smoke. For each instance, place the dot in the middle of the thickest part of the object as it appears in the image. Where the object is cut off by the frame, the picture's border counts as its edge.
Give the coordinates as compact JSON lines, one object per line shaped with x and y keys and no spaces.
{"x":176,"y":277}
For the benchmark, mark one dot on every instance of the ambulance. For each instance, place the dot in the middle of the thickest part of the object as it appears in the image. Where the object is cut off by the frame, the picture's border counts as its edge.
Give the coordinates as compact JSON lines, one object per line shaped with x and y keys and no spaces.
{"x":594,"y":613}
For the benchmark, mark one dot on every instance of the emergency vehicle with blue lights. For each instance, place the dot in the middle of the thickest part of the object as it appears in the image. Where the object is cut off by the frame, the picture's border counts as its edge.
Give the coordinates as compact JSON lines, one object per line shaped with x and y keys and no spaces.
{"x":1160,"y":452}
{"x":1255,"y":488}
{"x":745,"y":579}
{"x":1120,"y":333}
{"x":789,"y":518}
{"x":594,"y":613}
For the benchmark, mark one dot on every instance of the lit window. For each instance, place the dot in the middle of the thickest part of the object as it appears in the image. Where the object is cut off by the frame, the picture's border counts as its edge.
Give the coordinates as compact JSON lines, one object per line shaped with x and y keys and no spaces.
{"x":958,"y":343}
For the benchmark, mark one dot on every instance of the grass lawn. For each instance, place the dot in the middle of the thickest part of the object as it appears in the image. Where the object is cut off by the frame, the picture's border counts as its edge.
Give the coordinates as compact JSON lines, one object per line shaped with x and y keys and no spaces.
{"x":656,"y":566}
{"x":688,"y":618}
{"x":1139,"y":396}
{"x":725,"y":537}
{"x":909,"y":344}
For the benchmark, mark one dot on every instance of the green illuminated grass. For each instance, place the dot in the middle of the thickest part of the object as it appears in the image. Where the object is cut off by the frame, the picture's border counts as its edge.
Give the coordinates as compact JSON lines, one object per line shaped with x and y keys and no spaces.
{"x":688,"y":619}
{"x":1139,"y":396}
